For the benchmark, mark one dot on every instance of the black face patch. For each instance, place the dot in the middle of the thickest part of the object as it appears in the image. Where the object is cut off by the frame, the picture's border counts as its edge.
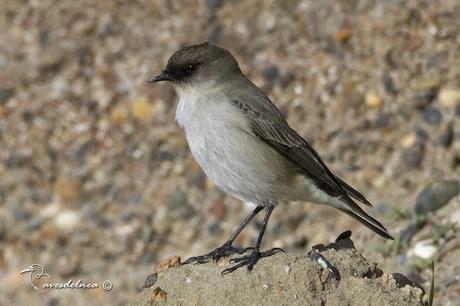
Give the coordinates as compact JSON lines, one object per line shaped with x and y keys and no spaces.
{"x":180,"y":72}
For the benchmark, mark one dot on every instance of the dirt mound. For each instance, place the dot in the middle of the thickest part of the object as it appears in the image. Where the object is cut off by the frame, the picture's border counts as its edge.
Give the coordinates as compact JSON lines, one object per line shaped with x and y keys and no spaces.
{"x":283,"y":279}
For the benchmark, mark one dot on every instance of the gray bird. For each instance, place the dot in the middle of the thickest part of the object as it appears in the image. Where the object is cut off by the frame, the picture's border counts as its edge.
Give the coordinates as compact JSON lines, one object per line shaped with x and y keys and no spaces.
{"x":246,"y":147}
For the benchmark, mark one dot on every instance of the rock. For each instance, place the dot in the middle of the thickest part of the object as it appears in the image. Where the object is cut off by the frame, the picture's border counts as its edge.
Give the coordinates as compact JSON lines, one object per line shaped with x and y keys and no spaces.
{"x":218,"y":209}
{"x":118,"y":116}
{"x":179,"y":206}
{"x":447,"y":136}
{"x":422,"y":135}
{"x":436,"y":195}
{"x":3,"y":110}
{"x":373,"y":100}
{"x":410,"y":230}
{"x":403,"y":281}
{"x":424,"y":249}
{"x":271,"y":73}
{"x":141,"y":109}
{"x":285,"y":279}
{"x":53,"y":301}
{"x":214,"y":5}
{"x":384,"y":120}
{"x":214,"y":228}
{"x":6,"y":93}
{"x":449,"y":97}
{"x":343,"y":35}
{"x":150,"y":280}
{"x":389,"y":85}
{"x":432,"y":116}
{"x":409,"y":140}
{"x":158,"y":295}
{"x":413,"y":156}
{"x":169,"y":262}
{"x":68,"y":190}
{"x":67,"y":220}
{"x":423,"y":99}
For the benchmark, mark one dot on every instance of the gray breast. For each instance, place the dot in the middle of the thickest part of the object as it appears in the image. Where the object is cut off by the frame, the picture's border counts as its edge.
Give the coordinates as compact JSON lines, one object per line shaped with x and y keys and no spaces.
{"x":234,"y":159}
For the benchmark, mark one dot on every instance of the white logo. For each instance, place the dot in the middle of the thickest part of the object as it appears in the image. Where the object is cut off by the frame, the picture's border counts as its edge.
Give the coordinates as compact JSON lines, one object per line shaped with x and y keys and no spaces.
{"x":37,"y":271}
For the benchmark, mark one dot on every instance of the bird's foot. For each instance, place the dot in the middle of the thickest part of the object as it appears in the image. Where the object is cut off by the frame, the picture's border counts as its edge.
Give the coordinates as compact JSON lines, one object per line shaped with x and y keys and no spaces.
{"x":222,"y":251}
{"x":250,"y":260}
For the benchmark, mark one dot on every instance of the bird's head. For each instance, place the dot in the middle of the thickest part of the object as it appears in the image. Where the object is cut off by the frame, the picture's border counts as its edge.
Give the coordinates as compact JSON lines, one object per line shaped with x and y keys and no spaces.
{"x":29,"y":269}
{"x":198,"y":65}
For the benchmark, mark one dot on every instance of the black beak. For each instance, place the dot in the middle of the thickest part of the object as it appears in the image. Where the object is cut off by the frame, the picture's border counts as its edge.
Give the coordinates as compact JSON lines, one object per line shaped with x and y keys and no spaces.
{"x":164,"y":76}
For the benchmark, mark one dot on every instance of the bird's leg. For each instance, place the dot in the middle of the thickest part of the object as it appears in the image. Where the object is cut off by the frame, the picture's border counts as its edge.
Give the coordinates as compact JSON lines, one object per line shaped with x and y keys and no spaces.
{"x":251,"y":259}
{"x":227,"y":248}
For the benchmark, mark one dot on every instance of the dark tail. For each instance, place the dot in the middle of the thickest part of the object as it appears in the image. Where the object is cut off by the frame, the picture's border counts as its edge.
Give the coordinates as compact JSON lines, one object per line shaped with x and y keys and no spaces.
{"x":352,"y":192}
{"x":368,"y":221}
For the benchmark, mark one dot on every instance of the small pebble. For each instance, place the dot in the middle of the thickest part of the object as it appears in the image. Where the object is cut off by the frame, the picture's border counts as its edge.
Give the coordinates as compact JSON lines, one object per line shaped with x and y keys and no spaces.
{"x":150,"y":280}
{"x":414,"y":155}
{"x":118,"y":116}
{"x":373,"y":100}
{"x":449,"y":97}
{"x":447,"y":136}
{"x":287,"y":269}
{"x":389,"y":85}
{"x":401,"y":259}
{"x":409,"y":140}
{"x":141,"y":109}
{"x":6,"y":93}
{"x":423,"y":249}
{"x":169,"y":262}
{"x":179,"y":205}
{"x":214,"y":228}
{"x":422,"y":135}
{"x":159,"y":295}
{"x":432,"y":116}
{"x":424,"y":99}
{"x":271,"y":73}
{"x":436,"y":195}
{"x":67,"y":220}
{"x":343,"y":35}
{"x":403,"y":280}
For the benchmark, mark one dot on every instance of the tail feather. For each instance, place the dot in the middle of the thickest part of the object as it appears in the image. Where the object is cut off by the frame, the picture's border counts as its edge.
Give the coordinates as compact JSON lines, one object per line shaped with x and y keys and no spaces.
{"x":352,"y":192}
{"x":368,"y":221}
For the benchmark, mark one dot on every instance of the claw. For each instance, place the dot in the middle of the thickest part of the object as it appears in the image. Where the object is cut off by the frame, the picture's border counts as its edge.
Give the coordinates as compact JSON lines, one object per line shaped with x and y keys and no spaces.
{"x":223,"y":251}
{"x":250,"y":260}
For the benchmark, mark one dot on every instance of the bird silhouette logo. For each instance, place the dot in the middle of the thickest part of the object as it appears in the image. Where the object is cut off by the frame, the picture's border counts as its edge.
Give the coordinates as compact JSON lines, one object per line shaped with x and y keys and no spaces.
{"x":35,"y":271}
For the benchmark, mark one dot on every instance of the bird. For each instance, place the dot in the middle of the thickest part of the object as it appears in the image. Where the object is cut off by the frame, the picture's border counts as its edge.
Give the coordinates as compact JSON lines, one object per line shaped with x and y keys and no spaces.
{"x":246,"y":147}
{"x":36,"y":271}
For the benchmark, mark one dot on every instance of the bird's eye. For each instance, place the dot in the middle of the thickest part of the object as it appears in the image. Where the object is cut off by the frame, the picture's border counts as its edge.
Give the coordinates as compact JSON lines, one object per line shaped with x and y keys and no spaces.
{"x":190,"y":67}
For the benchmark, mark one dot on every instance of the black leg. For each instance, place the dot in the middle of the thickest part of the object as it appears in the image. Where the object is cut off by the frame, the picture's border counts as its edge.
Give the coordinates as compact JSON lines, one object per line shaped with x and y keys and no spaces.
{"x":226,"y":249}
{"x":251,"y":259}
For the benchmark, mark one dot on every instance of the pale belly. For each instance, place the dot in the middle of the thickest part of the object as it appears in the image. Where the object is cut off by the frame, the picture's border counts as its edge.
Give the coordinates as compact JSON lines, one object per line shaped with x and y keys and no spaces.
{"x":244,"y":166}
{"x":236,"y":161}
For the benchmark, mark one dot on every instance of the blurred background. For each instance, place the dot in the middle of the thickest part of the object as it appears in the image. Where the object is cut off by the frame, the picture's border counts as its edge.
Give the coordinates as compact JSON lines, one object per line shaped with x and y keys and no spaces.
{"x":96,"y":179}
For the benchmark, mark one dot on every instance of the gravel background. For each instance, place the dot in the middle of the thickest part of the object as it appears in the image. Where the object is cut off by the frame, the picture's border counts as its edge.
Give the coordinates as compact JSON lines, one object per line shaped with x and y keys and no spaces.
{"x":97,"y":182}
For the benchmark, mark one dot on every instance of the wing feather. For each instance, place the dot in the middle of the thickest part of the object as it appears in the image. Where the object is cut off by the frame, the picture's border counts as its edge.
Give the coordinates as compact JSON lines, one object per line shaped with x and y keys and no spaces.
{"x":268,"y":124}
